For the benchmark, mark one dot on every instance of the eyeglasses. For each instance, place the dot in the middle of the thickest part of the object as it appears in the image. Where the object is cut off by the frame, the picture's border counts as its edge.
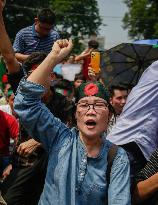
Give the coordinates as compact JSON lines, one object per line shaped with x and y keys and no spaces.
{"x":97,"y":106}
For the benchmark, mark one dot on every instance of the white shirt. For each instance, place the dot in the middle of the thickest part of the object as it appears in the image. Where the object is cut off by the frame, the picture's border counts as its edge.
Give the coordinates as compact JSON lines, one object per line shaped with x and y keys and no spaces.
{"x":6,"y":108}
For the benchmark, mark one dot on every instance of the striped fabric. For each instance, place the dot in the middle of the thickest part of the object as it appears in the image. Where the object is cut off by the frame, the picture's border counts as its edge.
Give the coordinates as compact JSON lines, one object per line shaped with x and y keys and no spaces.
{"x":151,"y":167}
{"x":28,"y":41}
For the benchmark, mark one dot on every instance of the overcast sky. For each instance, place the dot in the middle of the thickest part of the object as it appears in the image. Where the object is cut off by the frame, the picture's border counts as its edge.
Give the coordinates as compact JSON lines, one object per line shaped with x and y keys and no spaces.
{"x":112,"y":12}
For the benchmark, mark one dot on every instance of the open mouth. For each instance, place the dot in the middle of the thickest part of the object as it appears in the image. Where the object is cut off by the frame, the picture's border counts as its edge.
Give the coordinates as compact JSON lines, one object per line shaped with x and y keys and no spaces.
{"x":91,"y":123}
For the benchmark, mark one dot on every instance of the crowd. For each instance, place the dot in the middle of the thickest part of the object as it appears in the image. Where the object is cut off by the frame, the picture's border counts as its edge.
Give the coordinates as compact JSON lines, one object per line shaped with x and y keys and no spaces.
{"x":65,"y":138}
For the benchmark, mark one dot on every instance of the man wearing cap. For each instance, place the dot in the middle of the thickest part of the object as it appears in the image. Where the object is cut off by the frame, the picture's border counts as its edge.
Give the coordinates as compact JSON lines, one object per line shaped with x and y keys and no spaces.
{"x":76,"y":172}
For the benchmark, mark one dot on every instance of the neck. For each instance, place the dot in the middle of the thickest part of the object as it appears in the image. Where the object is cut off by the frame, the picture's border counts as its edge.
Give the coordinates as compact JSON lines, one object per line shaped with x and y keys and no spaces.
{"x":36,"y":29}
{"x":92,"y":145}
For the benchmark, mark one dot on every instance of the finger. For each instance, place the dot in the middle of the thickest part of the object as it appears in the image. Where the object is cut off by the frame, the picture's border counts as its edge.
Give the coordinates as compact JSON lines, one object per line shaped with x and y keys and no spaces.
{"x":89,"y":68}
{"x":70,"y":44}
{"x":19,"y":149}
{"x":61,"y":43}
{"x":65,"y":43}
{"x":91,"y":72}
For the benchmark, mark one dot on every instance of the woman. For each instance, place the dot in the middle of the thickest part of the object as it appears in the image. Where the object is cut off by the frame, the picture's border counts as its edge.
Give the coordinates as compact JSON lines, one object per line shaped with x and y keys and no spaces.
{"x":76,"y":172}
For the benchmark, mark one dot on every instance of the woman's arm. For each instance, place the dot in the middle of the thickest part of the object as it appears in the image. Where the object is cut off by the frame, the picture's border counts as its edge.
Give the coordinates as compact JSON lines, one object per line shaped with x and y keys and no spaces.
{"x":35,"y":117}
{"x":60,"y":50}
{"x":6,"y":48}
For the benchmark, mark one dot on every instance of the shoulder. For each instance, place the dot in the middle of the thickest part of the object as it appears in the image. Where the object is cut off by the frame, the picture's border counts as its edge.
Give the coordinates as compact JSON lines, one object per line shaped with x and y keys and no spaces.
{"x":24,"y":31}
{"x":54,"y":33}
{"x":121,"y":155}
{"x":121,"y":161}
{"x":7,"y":117}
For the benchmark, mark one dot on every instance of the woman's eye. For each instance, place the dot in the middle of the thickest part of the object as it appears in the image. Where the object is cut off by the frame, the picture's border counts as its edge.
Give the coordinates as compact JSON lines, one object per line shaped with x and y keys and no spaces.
{"x":83,"y":105}
{"x":100,"y":105}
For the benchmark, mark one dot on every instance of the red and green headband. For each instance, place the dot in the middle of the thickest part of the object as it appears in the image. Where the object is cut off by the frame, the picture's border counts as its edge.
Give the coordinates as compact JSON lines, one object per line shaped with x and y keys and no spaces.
{"x":91,"y":89}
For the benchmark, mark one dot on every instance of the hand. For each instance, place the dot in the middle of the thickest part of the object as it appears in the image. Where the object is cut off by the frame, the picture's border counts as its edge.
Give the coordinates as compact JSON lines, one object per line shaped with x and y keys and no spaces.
{"x":2,"y":5}
{"x":61,"y":49}
{"x":7,"y":171}
{"x":28,"y":147}
{"x":92,"y":75}
{"x":90,"y":50}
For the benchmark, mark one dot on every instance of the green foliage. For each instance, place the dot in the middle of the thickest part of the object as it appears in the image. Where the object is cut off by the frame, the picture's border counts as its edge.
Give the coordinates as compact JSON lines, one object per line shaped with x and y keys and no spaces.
{"x":141,"y":20}
{"x":75,"y":18}
{"x":78,"y":18}
{"x":19,"y":14}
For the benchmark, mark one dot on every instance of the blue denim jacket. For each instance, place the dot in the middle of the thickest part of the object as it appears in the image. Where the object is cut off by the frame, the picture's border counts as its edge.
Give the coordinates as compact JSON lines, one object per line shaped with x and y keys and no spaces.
{"x":72,"y":178}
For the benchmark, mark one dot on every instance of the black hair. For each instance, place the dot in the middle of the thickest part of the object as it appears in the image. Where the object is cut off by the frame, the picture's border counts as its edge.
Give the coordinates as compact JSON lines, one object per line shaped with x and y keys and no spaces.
{"x":93,"y":44}
{"x":79,"y":76}
{"x":64,"y":84}
{"x":117,"y":86}
{"x":61,"y":107}
{"x":34,"y":58}
{"x":46,"y":15}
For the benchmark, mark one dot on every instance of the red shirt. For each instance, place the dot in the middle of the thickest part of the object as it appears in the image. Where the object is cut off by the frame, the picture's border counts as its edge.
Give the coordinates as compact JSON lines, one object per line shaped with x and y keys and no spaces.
{"x":85,"y":66}
{"x":9,"y":128}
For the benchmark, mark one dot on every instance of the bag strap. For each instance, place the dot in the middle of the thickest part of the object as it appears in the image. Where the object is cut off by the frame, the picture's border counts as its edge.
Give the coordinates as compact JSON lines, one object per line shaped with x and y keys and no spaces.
{"x":110,"y":158}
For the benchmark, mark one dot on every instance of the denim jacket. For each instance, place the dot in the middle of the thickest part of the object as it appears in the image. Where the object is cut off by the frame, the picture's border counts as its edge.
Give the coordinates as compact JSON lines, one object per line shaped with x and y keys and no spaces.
{"x":72,"y":177}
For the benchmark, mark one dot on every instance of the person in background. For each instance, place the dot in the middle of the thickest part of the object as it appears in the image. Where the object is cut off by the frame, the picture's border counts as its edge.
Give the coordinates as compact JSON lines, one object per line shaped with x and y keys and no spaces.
{"x":77,"y":157}
{"x":25,"y":179}
{"x":9,"y":106}
{"x":9,"y":129}
{"x":79,"y":79}
{"x":118,"y":97}
{"x":146,"y":187}
{"x":71,"y":59}
{"x":85,"y":56}
{"x":2,"y":98}
{"x":2,"y":71}
{"x":136,"y":130}
{"x":38,"y":37}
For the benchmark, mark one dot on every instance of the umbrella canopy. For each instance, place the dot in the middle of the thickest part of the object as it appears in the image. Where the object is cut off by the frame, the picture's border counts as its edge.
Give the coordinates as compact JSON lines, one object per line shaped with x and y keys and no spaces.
{"x":126,"y":62}
{"x":147,"y":41}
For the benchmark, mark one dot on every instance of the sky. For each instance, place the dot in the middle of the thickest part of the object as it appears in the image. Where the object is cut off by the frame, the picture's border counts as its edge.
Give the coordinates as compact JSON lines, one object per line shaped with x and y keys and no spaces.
{"x":111,"y":12}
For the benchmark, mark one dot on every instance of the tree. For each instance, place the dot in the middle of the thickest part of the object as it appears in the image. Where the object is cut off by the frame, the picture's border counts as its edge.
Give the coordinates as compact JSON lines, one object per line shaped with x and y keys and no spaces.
{"x":142,"y":19}
{"x":77,"y":18}
{"x":19,"y":14}
{"x":74,"y":18}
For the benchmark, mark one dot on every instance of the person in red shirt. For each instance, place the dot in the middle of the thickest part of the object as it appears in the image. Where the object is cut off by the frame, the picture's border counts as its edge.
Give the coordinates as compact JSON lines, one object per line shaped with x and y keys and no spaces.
{"x":9,"y":128}
{"x":86,"y":57}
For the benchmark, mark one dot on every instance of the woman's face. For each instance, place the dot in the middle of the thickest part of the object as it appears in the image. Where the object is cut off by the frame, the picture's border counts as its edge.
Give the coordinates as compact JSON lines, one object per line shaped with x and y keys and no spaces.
{"x":78,"y":82}
{"x":92,"y":115}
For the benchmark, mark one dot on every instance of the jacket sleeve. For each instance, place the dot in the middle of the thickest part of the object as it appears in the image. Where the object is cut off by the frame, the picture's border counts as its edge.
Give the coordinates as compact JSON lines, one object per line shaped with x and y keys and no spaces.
{"x":36,"y":118}
{"x":119,"y":188}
